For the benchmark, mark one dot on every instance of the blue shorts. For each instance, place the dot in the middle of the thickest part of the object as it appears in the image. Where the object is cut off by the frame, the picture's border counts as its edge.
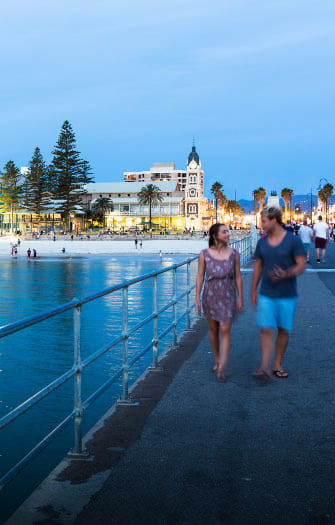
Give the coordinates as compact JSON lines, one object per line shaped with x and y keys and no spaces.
{"x":276,"y":313}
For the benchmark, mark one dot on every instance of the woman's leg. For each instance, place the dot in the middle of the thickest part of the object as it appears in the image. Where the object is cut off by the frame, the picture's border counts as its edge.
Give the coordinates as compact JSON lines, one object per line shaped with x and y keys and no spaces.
{"x":225,"y":339}
{"x":214,"y":339}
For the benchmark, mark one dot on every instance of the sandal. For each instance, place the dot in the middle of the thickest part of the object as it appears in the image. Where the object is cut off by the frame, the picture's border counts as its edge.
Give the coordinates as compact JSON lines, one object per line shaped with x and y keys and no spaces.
{"x":280,"y":374}
{"x":261,"y":374}
{"x":220,"y":376}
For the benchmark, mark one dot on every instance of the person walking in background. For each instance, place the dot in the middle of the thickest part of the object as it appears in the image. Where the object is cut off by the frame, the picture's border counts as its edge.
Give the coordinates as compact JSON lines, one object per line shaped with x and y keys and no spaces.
{"x":306,"y":235}
{"x":34,"y":253}
{"x":28,"y":253}
{"x":136,"y":241}
{"x":321,"y":237}
{"x":280,"y":257}
{"x":221,"y":264}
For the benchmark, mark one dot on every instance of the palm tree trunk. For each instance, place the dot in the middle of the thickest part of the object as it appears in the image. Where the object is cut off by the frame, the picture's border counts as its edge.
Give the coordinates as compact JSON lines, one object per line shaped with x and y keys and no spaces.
{"x":150,"y":217}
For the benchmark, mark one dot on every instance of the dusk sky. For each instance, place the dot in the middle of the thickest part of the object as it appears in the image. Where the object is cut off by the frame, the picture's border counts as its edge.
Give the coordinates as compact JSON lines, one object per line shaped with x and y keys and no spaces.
{"x":252,"y":81}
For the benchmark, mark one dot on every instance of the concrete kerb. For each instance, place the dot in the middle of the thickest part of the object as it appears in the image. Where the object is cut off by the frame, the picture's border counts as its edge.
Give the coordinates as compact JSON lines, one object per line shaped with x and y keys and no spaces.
{"x":71,"y":484}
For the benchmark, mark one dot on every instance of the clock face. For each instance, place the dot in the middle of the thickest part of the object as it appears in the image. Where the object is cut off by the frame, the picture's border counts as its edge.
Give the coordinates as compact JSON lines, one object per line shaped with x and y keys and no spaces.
{"x":192,"y":193}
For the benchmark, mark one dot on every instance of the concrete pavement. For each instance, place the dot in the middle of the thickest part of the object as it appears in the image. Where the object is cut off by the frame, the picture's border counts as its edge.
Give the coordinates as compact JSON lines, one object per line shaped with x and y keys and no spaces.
{"x":241,"y":452}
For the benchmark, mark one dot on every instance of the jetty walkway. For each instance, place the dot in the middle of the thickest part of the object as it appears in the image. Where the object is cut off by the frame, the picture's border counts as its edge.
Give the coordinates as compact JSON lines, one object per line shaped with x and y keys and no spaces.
{"x":195,"y":451}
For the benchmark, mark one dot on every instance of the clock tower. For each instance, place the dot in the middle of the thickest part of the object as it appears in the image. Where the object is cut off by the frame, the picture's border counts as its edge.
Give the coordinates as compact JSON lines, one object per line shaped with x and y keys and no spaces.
{"x":194,"y":192}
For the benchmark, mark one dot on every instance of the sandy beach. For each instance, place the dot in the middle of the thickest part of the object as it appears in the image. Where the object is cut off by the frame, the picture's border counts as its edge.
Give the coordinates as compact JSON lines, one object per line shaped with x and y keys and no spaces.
{"x":102,"y":247}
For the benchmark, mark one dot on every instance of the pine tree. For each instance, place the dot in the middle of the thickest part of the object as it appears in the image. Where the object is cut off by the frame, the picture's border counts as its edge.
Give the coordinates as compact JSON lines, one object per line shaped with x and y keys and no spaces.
{"x":11,"y":190}
{"x":36,"y":198}
{"x":86,"y":172}
{"x":66,"y":173}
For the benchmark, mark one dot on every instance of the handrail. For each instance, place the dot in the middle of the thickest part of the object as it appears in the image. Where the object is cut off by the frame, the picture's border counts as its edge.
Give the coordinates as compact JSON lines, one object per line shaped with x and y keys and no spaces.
{"x":244,"y":247}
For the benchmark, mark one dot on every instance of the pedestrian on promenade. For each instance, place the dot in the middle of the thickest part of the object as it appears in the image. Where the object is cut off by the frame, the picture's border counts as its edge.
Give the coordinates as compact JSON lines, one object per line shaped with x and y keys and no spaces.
{"x":221,"y":264}
{"x":141,"y":243}
{"x":306,"y":235}
{"x":289,"y":227}
{"x":28,"y":253}
{"x":34,"y":253}
{"x":280,"y":257}
{"x":321,"y":237}
{"x":136,"y":241}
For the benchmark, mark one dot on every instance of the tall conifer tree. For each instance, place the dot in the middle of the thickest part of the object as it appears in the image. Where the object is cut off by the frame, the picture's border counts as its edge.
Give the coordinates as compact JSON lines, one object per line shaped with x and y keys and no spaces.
{"x":66,"y":173}
{"x":11,"y":190}
{"x":36,"y":199}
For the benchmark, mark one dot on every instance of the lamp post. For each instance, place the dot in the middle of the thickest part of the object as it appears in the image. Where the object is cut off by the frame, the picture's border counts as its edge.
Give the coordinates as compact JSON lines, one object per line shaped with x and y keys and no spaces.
{"x":216,"y":206}
{"x":311,"y":212}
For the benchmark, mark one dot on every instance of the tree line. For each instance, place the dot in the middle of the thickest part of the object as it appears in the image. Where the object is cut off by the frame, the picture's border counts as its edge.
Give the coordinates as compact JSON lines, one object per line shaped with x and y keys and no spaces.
{"x":58,"y":186}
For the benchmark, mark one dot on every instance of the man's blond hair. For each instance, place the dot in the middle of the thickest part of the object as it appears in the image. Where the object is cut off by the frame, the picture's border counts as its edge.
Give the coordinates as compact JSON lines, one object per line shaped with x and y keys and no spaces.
{"x":273,"y":213}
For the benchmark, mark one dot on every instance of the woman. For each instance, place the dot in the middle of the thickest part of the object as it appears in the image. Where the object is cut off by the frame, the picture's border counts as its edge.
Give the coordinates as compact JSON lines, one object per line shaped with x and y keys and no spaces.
{"x":223,"y":276}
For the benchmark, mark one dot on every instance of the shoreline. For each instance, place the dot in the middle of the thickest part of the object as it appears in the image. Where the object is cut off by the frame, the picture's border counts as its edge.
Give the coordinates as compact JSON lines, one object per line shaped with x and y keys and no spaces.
{"x":49,"y":248}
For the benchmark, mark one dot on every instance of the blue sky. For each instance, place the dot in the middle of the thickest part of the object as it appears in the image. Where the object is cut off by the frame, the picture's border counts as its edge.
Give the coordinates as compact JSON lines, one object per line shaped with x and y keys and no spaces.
{"x":252,"y":80}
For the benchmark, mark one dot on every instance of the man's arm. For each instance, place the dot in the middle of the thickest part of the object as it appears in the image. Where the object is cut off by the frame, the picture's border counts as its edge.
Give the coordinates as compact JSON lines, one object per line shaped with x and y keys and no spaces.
{"x":256,"y":277}
{"x":279,"y":274}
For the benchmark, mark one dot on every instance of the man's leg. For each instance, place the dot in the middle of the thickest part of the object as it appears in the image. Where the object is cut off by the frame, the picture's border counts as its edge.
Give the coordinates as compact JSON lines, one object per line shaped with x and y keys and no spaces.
{"x":266,"y":339}
{"x":323,"y":252}
{"x":318,"y":254}
{"x":281,"y":345}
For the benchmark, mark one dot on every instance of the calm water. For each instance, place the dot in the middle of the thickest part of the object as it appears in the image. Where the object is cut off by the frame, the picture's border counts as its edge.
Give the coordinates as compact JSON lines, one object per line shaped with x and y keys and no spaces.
{"x":32,"y":358}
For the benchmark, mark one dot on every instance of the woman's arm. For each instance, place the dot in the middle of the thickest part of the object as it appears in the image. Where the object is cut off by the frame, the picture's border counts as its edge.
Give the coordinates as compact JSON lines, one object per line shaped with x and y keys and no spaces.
{"x":199,"y":282}
{"x":239,"y":282}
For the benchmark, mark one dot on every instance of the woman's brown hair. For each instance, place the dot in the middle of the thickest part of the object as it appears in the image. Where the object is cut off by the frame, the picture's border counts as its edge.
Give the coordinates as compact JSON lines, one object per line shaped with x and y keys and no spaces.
{"x":213,"y":231}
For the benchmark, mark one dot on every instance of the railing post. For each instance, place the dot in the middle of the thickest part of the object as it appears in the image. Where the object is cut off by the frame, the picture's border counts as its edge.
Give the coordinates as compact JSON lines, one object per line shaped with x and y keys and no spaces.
{"x":155,"y":366}
{"x":174,"y":306}
{"x":188,"y":295}
{"x":78,"y":446}
{"x":124,"y":396}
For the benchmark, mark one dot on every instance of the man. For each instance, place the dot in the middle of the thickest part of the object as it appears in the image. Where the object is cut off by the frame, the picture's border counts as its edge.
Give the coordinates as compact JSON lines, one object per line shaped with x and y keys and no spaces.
{"x":280,"y":257}
{"x":289,"y":227}
{"x":306,"y":234}
{"x":321,"y":236}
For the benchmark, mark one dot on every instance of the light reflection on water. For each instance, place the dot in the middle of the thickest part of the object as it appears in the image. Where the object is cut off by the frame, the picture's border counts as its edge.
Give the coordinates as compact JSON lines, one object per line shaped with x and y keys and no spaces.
{"x":32,"y":358}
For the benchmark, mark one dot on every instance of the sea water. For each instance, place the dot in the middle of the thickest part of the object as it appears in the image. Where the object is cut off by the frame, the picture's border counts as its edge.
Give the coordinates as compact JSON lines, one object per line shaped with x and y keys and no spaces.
{"x":32,"y":358}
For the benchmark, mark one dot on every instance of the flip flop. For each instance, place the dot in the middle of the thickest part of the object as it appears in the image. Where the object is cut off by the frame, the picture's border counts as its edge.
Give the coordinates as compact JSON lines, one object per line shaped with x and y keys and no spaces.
{"x":278,"y":373}
{"x":262,"y":375}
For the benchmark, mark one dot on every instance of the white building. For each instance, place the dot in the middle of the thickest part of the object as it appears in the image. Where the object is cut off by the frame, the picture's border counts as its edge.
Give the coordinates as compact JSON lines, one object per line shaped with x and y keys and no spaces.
{"x":126,"y":211}
{"x":160,"y":172}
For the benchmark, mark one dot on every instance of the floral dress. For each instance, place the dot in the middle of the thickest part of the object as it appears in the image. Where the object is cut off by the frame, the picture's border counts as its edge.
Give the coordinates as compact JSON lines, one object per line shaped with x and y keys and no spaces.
{"x":219,"y":295}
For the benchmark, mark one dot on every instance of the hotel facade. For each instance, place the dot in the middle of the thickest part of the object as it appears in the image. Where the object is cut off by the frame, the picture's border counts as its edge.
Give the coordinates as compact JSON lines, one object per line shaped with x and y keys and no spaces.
{"x":183,"y":204}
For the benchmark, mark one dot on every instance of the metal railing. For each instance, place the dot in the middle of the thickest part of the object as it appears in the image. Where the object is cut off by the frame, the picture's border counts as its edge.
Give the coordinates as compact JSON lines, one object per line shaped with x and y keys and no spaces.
{"x":80,"y":406}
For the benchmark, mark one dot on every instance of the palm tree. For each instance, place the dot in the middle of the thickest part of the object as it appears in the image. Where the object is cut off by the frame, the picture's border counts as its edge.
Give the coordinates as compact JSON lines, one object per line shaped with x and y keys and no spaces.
{"x":216,"y":190}
{"x":328,"y":193}
{"x":150,"y":194}
{"x":323,"y":198}
{"x":262,"y":197}
{"x":290,"y":196}
{"x":255,"y":194}
{"x":286,"y":196}
{"x":101,"y":207}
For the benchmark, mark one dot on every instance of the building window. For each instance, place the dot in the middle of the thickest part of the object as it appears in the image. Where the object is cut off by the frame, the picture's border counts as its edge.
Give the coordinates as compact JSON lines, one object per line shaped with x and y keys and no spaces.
{"x":168,"y":194}
{"x":119,"y":194}
{"x":109,"y":195}
{"x":128,"y":194}
{"x":192,"y":208}
{"x":100,"y":195}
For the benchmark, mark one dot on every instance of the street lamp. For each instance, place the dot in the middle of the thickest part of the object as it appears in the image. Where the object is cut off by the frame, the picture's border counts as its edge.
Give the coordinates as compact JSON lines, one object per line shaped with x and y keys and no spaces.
{"x":216,"y":206}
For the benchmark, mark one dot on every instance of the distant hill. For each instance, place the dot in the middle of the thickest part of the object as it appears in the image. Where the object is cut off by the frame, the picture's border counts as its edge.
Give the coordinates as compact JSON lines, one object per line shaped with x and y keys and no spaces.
{"x":303,"y":200}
